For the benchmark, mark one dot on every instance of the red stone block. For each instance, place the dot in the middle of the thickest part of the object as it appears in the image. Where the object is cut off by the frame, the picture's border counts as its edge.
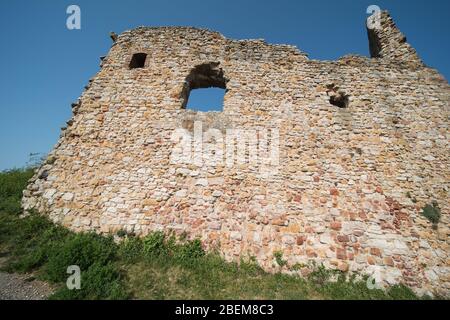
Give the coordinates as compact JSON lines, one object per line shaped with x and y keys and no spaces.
{"x":336,"y":225}
{"x":379,"y":190}
{"x":341,"y":253}
{"x":343,"y":238}
{"x":334,"y":192}
{"x":363,"y":216}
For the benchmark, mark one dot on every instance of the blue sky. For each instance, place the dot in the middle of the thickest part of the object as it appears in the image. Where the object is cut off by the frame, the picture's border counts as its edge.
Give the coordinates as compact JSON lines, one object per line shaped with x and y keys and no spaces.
{"x":45,"y":66}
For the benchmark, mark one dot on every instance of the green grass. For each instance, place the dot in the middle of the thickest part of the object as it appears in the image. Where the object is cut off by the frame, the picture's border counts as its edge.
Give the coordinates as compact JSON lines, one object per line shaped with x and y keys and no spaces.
{"x":12,"y":183}
{"x":155,"y":267}
{"x":171,"y":276}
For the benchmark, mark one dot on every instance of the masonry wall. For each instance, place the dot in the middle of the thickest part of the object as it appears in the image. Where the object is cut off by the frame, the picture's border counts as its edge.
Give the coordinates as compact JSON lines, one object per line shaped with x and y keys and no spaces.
{"x":347,"y":190}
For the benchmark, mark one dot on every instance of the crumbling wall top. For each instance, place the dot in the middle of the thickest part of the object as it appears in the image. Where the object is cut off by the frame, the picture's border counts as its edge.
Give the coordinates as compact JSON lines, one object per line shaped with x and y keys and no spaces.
{"x":387,"y":42}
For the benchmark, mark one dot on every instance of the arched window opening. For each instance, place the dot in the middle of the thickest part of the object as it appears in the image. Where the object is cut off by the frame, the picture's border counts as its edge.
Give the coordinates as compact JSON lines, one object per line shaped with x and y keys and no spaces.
{"x":205,"y":88}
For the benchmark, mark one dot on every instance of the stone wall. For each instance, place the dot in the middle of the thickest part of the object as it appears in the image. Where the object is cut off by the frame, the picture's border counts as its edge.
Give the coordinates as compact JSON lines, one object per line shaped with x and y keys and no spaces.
{"x":346,"y":189}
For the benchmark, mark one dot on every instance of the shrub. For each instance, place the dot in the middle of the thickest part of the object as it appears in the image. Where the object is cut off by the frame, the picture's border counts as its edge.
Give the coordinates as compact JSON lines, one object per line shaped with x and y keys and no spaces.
{"x":189,"y":252}
{"x":98,"y":282}
{"x":279,"y":258}
{"x":35,"y":251}
{"x":35,"y":243}
{"x":28,"y":240}
{"x":121,"y":233}
{"x":250,"y":266}
{"x":12,"y":183}
{"x":432,"y":213}
{"x":82,"y":250}
{"x":131,"y":249}
{"x":154,"y":244}
{"x":321,"y":275}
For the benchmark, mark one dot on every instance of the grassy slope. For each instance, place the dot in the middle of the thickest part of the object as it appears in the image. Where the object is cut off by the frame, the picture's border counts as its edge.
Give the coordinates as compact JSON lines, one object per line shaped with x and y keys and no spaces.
{"x":156,"y":267}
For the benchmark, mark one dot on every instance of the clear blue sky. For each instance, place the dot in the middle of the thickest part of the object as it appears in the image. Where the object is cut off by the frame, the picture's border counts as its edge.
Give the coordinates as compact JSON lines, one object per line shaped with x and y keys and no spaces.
{"x":44,"y":66}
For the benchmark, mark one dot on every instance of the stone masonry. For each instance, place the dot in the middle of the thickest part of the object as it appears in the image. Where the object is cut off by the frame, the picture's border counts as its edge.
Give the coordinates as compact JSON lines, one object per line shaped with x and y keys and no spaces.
{"x":362,"y":148}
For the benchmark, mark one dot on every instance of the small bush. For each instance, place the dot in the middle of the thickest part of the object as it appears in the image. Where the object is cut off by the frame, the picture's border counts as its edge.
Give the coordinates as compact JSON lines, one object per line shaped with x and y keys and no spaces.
{"x":35,"y":243}
{"x":98,"y":282}
{"x":251,"y":266}
{"x":279,"y":258}
{"x":35,"y":253}
{"x":321,"y":275}
{"x":82,"y":250}
{"x":189,"y":252}
{"x":432,"y":213}
{"x":131,"y":249}
{"x":28,"y":240}
{"x":12,"y":183}
{"x":121,"y":233}
{"x":154,"y":244}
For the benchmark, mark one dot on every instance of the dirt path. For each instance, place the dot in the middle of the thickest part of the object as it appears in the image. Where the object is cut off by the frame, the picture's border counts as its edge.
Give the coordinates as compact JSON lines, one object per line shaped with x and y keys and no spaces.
{"x":22,"y":287}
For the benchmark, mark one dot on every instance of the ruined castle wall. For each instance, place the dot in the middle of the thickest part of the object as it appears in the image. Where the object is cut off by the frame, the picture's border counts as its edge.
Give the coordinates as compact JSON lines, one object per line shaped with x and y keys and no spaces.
{"x":346,"y":190}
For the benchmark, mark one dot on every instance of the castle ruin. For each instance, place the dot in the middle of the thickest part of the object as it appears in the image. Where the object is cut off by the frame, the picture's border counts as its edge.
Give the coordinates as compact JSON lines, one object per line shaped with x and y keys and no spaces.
{"x":344,"y":154}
